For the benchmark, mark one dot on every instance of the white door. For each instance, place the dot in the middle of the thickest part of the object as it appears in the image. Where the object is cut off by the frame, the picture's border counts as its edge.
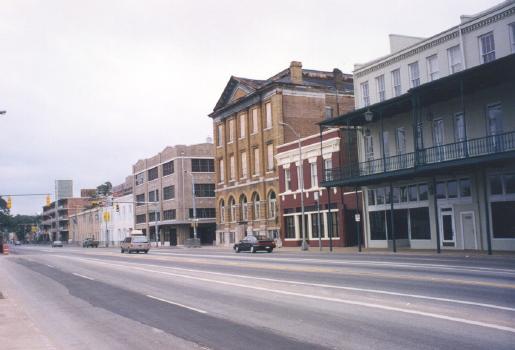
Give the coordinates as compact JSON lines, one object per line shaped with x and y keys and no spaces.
{"x":468,"y":230}
{"x":447,"y":228}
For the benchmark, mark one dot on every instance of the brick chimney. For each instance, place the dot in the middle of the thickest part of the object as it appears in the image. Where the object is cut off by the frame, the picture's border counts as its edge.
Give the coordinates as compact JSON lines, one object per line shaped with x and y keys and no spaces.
{"x":296,"y":72}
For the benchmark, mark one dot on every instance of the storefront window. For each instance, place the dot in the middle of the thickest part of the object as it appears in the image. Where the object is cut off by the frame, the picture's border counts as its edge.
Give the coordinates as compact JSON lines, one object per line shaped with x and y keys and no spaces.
{"x":502,"y":219}
{"x":440,"y":190}
{"x":377,"y":225}
{"x":452,"y":189}
{"x":495,"y":184}
{"x":422,"y":192}
{"x":419,"y":223}
{"x":404,"y":194}
{"x":464,"y":187}
{"x":371,"y":197}
{"x":509,"y":183}
{"x":380,"y":196}
{"x":413,"y":193}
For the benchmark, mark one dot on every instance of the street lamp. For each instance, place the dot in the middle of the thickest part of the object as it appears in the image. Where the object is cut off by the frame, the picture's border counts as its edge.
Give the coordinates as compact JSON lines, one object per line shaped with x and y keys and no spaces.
{"x":369,"y":116}
{"x":304,"y":245}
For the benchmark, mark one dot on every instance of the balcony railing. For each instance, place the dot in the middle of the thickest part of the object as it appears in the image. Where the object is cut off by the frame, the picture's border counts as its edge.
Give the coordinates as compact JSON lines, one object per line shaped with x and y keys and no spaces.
{"x":482,"y":146}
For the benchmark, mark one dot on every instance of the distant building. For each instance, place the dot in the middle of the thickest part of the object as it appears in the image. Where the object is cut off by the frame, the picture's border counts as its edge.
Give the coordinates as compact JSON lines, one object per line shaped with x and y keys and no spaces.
{"x":86,"y":224}
{"x":60,"y":213}
{"x":163,"y":194}
{"x":436,"y":121}
{"x":247,"y":123}
{"x":88,"y":192}
{"x":64,"y":189}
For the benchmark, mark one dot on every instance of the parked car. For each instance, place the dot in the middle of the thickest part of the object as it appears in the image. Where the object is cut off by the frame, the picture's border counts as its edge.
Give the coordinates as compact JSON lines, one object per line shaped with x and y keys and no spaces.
{"x":57,"y":244}
{"x":136,"y":243}
{"x":90,"y":243}
{"x":17,"y":243}
{"x":254,"y":244}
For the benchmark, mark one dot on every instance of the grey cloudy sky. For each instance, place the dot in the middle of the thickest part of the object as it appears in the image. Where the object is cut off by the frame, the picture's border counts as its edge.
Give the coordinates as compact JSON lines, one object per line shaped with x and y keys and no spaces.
{"x":92,"y":86}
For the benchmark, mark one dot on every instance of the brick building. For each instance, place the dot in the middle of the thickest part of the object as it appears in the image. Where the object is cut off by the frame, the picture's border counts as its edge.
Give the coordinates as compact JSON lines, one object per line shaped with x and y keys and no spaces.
{"x":167,"y":179}
{"x":328,"y":216}
{"x":56,"y":218}
{"x":247,"y":122}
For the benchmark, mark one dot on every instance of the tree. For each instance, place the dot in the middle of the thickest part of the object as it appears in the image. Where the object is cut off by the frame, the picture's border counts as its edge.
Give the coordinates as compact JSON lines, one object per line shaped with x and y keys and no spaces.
{"x":105,"y":189}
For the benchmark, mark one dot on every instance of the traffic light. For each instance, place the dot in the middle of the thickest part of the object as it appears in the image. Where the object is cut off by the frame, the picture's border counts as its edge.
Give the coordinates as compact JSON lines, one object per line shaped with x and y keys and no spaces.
{"x":48,"y":200}
{"x":9,"y":202}
{"x":117,"y":206}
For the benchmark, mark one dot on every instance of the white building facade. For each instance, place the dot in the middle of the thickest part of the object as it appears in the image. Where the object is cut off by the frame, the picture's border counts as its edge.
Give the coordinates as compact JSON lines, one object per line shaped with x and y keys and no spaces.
{"x":436,"y":122}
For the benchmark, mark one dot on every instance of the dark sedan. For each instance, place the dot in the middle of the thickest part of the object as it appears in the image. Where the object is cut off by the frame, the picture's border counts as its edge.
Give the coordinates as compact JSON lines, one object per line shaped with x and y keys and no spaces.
{"x":254,"y":244}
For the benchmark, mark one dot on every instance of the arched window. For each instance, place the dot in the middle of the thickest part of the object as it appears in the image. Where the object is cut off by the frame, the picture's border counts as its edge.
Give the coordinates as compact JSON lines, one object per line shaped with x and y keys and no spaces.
{"x":222,"y":211}
{"x":272,"y":209}
{"x":256,"y":206}
{"x":232,"y":208}
{"x":243,"y":208}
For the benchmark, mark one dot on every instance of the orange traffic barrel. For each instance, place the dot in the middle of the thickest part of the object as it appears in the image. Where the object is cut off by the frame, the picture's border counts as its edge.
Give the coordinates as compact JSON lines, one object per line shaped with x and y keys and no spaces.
{"x":6,"y":249}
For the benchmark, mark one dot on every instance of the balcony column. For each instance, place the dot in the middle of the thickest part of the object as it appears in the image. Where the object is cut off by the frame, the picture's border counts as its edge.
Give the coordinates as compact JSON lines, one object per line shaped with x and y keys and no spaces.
{"x":383,"y":153}
{"x":487,"y":213}
{"x":392,"y":224}
{"x":435,"y":206}
{"x":462,"y":105}
{"x":329,"y":219}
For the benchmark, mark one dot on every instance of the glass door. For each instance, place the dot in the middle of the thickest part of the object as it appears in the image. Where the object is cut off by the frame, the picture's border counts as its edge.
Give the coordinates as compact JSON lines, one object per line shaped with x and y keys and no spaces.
{"x":447,"y":231}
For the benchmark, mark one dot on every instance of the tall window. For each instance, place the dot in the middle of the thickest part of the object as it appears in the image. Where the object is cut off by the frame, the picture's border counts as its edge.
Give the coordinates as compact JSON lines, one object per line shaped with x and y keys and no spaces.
{"x":204,"y":190}
{"x":459,"y":127}
{"x":244,"y":172}
{"x":219,"y":138}
{"x":314,"y":174}
{"x":414,"y":74}
{"x":243,"y":208}
{"x":487,"y":47}
{"x":256,"y":206}
{"x":315,"y":230}
{"x":328,"y":112}
{"x":289,"y":224}
{"x":152,"y":174}
{"x":199,"y":165}
{"x":232,"y":173}
{"x":369,"y":147}
{"x":170,"y":214}
{"x":221,"y":170}
{"x":365,"y":94}
{"x":169,"y":192}
{"x":396,"y":82}
{"x":287,"y":179}
{"x":139,"y":178}
{"x":140,"y":199}
{"x":494,"y":119}
{"x":401,"y":140}
{"x":268,"y":109}
{"x":432,"y":67}
{"x":256,"y":161}
{"x":454,"y":55}
{"x":153,"y":196}
{"x":168,"y":168}
{"x":222,"y":211}
{"x":328,"y":166}
{"x":255,"y":125}
{"x":386,"y":143}
{"x":512,"y":37}
{"x":270,"y":157}
{"x":272,"y":208}
{"x":380,"y":88}
{"x":243,"y":117}
{"x":231,"y":130}
{"x":232,"y":209}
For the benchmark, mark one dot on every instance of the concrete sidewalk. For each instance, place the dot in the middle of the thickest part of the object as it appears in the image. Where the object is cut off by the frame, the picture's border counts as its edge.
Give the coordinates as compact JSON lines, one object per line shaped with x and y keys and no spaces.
{"x":17,"y":330}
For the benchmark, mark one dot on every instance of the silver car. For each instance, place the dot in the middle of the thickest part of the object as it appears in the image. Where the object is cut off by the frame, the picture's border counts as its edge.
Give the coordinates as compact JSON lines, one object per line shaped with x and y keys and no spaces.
{"x":137,"y":243}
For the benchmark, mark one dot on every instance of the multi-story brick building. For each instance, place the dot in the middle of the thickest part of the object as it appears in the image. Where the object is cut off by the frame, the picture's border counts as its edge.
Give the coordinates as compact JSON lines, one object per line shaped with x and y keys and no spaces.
{"x":328,"y":215}
{"x":163,"y":188}
{"x":436,"y":120}
{"x":52,"y":214}
{"x":85,"y":224}
{"x":248,"y":126}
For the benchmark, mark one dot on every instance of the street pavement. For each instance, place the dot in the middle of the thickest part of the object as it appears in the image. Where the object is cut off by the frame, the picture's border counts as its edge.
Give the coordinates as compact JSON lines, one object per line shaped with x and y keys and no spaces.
{"x":208,"y":298}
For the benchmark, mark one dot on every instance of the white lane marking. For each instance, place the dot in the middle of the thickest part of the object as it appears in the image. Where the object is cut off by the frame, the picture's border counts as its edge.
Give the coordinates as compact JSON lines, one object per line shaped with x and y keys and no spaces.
{"x":340,"y":262}
{"x":337,"y":300}
{"x":51,"y":266}
{"x":322,"y":285}
{"x":86,"y":277}
{"x":177,"y":304}
{"x":377,"y":291}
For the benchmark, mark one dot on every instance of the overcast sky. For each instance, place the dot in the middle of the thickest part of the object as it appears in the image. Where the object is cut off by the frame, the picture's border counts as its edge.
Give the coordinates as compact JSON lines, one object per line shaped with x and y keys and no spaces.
{"x":92,"y":86}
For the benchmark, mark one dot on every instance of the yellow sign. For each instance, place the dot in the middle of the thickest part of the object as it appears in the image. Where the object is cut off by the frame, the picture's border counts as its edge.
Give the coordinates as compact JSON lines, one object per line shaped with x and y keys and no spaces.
{"x":48,"y":200}
{"x":107,"y":216}
{"x":9,"y":202}
{"x":34,"y":229}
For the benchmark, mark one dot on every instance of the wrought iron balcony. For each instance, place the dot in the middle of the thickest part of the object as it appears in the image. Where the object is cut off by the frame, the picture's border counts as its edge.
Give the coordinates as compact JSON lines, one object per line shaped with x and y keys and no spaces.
{"x":469,"y":150}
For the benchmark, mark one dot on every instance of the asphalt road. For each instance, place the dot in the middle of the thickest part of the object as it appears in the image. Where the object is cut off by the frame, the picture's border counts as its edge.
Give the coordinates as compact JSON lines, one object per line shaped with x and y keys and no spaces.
{"x":215,"y":299}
